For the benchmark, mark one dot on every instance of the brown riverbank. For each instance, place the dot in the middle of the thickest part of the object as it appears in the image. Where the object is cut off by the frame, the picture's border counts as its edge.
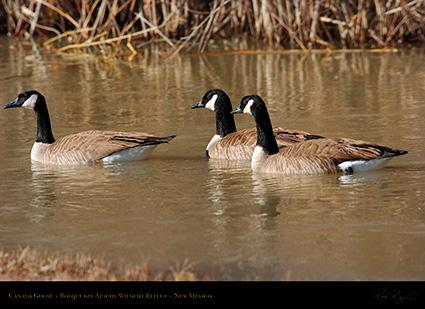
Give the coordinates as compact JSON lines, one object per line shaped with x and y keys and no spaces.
{"x":29,"y":264}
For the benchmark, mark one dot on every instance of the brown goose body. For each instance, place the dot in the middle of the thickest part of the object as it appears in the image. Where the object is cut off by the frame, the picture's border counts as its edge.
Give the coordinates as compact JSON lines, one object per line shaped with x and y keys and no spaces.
{"x":97,"y":146}
{"x":322,"y":155}
{"x":241,"y":144}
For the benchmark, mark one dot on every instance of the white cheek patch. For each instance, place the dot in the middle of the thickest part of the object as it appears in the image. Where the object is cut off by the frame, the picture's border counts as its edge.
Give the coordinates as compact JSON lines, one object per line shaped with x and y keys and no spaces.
{"x":211,"y":103}
{"x":247,"y":109}
{"x":30,"y":102}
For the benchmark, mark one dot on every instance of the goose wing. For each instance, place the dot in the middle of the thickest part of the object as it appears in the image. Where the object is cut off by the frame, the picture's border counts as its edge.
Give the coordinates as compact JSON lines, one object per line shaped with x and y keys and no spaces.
{"x":92,"y":146}
{"x":284,"y":137}
{"x":288,"y":137}
{"x":341,"y":149}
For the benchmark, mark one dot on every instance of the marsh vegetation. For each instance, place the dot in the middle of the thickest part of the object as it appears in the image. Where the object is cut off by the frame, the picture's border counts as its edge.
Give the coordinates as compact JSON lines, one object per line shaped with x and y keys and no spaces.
{"x":125,"y":26}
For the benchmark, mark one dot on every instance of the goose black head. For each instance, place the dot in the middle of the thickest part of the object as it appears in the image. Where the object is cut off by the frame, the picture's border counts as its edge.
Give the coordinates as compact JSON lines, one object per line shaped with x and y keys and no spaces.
{"x":27,"y":99}
{"x":215,"y":100}
{"x":248,"y":104}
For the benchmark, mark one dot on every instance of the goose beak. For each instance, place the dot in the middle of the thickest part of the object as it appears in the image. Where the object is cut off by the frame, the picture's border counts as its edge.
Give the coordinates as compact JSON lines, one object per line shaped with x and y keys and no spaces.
{"x":12,"y":104}
{"x":238,"y":110}
{"x":198,"y":105}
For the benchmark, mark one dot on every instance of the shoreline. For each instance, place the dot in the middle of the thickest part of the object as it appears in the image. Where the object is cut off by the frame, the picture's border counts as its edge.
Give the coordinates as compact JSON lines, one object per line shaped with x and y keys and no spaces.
{"x":30,"y":264}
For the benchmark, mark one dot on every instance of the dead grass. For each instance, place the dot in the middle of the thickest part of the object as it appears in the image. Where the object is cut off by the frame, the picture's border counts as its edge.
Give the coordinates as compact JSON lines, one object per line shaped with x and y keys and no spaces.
{"x":108,"y":26}
{"x":28,"y":264}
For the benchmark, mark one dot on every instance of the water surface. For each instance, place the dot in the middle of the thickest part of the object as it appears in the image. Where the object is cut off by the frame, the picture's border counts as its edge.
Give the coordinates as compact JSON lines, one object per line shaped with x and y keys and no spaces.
{"x":232,"y":223}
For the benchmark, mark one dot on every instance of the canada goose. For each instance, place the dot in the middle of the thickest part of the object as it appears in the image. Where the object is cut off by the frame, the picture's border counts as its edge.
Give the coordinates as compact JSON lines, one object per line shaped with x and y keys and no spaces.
{"x":313,"y":156}
{"x":84,"y":147}
{"x":227,"y":143}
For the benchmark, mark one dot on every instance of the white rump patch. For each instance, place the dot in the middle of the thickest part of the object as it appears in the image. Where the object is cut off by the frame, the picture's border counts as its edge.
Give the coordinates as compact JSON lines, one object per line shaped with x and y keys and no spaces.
{"x":130,"y":154}
{"x":30,"y":102}
{"x":247,"y":109}
{"x":363,"y":165}
{"x":211,"y":103}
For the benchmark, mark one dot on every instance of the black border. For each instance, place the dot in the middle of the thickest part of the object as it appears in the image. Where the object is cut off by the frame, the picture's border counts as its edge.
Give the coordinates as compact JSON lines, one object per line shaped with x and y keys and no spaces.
{"x":15,"y":293}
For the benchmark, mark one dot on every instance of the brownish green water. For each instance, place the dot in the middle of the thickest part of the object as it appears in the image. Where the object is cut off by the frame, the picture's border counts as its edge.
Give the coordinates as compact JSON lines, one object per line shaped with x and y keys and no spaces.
{"x":178,"y":205}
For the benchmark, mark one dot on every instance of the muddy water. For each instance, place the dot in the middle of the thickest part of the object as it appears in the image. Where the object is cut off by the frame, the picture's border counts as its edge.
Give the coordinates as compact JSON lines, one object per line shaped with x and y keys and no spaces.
{"x":178,"y":205}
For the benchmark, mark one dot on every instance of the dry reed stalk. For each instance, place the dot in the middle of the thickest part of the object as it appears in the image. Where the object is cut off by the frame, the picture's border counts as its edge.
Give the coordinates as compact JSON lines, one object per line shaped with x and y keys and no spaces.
{"x":301,"y":45}
{"x":205,"y":35}
{"x":315,"y":20}
{"x":155,"y":28}
{"x":184,"y":24}
{"x":53,"y":8}
{"x":108,"y":41}
{"x":196,"y":29}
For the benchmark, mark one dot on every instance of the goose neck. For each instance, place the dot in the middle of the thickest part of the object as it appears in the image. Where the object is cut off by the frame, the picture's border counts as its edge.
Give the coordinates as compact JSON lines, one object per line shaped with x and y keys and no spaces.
{"x":225,"y":122}
{"x":265,"y":136}
{"x":44,"y":129}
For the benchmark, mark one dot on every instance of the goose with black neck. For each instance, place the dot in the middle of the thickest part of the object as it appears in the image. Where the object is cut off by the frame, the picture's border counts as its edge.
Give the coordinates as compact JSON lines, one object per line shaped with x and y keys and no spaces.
{"x":325,"y":155}
{"x":229,"y":143}
{"x":85,"y":147}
